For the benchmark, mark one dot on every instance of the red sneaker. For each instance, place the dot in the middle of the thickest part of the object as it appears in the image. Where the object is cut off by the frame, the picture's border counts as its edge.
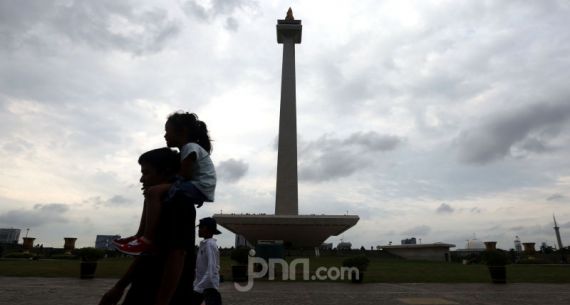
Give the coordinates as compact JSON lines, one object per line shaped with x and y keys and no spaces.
{"x":121,"y":241}
{"x":135,"y":247}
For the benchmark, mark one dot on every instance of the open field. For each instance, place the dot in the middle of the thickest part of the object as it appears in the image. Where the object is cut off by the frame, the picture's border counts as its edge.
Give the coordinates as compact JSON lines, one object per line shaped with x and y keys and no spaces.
{"x":379,"y":271}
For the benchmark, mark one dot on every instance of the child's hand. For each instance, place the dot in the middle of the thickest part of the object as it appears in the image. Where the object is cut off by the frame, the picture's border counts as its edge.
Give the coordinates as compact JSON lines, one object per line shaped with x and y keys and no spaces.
{"x":157,"y":190}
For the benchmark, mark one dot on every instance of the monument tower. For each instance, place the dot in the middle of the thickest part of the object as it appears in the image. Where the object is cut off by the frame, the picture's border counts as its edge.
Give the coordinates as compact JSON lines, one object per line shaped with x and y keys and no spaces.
{"x":560,"y":246}
{"x":286,"y":195}
{"x":294,"y":230}
{"x":557,"y":231}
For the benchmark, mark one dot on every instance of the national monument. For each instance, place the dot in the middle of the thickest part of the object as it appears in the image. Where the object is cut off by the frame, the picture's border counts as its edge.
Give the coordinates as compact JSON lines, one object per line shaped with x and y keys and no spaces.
{"x":298,"y":231}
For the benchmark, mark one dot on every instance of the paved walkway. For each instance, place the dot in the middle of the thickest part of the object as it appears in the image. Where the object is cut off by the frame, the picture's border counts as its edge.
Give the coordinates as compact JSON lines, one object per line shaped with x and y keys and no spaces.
{"x":70,"y":291}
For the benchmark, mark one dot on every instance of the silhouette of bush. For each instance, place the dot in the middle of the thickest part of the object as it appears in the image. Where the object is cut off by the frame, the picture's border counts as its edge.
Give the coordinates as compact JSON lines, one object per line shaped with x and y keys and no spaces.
{"x":361,"y":262}
{"x":495,"y":258}
{"x":240,"y":255}
{"x":90,"y":254}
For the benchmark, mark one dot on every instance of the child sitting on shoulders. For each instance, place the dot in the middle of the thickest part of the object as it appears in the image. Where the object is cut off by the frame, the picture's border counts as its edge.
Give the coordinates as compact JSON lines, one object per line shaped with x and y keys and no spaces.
{"x":196,"y":180}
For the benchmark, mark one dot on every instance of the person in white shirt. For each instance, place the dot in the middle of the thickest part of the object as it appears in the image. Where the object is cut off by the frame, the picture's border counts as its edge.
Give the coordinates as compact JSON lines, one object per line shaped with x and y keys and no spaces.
{"x":207,"y":280}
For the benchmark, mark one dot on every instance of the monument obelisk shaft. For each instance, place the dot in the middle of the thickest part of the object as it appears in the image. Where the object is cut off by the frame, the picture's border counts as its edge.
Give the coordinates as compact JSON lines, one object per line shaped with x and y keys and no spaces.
{"x":557,"y":231}
{"x":286,"y":197}
{"x":287,"y":226}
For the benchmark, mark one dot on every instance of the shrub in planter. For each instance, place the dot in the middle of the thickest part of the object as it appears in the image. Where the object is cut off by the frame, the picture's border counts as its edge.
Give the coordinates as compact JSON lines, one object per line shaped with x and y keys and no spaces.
{"x":89,"y":257}
{"x":240,"y":255}
{"x":495,"y":258}
{"x":496,"y":262}
{"x":360,"y":262}
{"x":239,"y":270}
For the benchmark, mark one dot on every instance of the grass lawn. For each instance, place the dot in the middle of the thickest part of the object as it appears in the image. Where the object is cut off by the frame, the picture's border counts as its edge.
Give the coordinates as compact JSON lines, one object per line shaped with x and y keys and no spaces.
{"x":60,"y":267}
{"x":380,"y":270}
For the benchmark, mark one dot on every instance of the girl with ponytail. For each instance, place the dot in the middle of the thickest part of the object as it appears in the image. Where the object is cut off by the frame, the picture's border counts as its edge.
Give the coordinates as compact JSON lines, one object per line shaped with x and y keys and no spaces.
{"x":196,"y":181}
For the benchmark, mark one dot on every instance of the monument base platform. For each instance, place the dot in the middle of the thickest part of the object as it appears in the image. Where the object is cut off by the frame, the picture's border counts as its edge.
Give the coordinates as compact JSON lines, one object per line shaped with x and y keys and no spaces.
{"x":297,"y":231}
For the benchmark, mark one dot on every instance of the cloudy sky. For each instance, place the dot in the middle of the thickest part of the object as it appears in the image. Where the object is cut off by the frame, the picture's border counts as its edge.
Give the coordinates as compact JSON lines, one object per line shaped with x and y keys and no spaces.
{"x":441,"y":120}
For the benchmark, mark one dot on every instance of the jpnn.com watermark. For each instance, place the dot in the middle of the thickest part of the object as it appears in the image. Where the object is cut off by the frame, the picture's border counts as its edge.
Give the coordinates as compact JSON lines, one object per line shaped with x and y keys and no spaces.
{"x":288,"y":271}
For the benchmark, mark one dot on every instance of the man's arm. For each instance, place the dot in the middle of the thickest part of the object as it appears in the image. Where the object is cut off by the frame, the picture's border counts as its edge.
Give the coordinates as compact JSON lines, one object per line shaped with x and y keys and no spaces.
{"x":173,"y":267}
{"x":113,"y":296}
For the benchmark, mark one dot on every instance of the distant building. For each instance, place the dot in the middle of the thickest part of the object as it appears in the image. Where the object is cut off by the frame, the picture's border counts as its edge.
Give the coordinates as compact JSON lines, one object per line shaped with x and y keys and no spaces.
{"x":438,"y":252}
{"x":326,"y":246}
{"x":344,"y":246}
{"x":472,"y":247}
{"x":9,"y":236}
{"x":518,"y":245}
{"x":409,"y":241}
{"x":105,"y":241}
{"x":475,"y":245}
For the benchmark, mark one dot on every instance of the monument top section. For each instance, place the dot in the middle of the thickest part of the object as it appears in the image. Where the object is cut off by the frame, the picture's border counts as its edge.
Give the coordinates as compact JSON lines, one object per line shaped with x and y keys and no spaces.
{"x":289,"y":29}
{"x":289,"y":15}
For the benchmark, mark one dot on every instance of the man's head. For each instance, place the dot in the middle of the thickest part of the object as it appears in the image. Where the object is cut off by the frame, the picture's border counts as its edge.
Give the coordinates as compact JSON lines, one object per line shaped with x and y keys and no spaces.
{"x":158,"y":166}
{"x":208,"y":227}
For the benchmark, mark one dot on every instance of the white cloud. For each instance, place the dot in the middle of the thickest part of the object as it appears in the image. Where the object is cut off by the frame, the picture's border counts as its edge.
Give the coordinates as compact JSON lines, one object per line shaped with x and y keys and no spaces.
{"x":328,"y":158}
{"x":39,"y":215}
{"x":231,"y":170}
{"x":401,"y":106}
{"x":496,"y":138}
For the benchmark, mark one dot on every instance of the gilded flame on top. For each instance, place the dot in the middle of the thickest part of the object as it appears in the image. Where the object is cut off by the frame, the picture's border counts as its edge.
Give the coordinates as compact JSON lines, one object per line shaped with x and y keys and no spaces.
{"x":289,"y":15}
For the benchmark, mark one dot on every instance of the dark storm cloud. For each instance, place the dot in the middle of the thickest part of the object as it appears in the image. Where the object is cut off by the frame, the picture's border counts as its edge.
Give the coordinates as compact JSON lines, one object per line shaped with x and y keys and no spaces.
{"x":231,"y":170}
{"x":119,"y":200}
{"x":544,"y":230}
{"x":417,"y":231}
{"x":231,"y":24}
{"x":16,"y":145}
{"x":112,"y":24}
{"x":226,"y":9}
{"x":69,"y":52}
{"x":342,"y":89}
{"x":475,"y":210}
{"x":18,"y":18}
{"x":450,"y":60}
{"x":330,"y":165}
{"x":494,"y":138}
{"x":39,"y":215}
{"x":373,"y":141}
{"x":556,"y":197}
{"x":98,"y":24}
{"x":444,"y":208}
{"x":329,"y":158}
{"x":113,"y":201}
